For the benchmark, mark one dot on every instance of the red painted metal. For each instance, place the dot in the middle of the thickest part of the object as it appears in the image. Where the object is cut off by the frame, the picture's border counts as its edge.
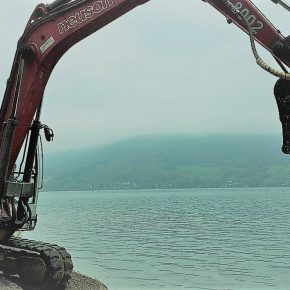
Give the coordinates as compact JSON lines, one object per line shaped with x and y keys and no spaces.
{"x":264,"y":31}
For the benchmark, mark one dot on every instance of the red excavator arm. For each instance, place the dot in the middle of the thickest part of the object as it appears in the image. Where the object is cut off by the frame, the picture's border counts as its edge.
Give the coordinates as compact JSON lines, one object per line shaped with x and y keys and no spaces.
{"x":51,"y":30}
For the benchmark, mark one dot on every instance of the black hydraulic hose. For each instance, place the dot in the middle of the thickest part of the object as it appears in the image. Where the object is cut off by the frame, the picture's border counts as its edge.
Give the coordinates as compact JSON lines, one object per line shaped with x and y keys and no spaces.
{"x":282,"y":3}
{"x":281,"y":64}
{"x":56,"y":4}
{"x":29,"y":212}
{"x":40,"y":156}
{"x":31,"y":151}
{"x":22,"y":213}
{"x":22,"y":160}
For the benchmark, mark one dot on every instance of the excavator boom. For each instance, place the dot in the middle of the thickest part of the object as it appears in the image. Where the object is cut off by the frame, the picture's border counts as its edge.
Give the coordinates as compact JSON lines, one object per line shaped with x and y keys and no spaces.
{"x":53,"y":29}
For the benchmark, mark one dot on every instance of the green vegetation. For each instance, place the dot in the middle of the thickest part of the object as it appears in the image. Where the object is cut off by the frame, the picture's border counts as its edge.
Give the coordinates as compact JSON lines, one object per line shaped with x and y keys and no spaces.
{"x":181,"y":161}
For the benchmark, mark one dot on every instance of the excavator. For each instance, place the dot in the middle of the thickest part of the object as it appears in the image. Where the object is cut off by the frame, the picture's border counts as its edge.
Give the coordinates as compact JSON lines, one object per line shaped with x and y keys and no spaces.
{"x":51,"y":30}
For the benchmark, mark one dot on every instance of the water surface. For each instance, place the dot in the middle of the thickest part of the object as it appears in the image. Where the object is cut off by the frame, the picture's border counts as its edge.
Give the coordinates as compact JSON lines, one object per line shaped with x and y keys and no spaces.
{"x":173,"y":239}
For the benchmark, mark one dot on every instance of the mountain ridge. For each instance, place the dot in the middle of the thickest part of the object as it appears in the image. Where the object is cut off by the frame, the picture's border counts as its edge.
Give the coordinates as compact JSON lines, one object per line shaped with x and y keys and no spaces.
{"x":172,"y":161}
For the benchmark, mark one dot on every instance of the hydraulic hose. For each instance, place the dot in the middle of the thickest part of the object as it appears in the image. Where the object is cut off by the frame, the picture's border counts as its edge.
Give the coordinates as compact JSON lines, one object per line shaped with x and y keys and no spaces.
{"x":56,"y":4}
{"x":259,"y":60}
{"x":282,"y":3}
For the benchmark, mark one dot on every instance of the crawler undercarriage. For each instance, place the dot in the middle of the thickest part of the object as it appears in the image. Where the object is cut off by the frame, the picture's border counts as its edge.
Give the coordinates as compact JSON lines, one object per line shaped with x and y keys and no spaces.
{"x":35,"y":265}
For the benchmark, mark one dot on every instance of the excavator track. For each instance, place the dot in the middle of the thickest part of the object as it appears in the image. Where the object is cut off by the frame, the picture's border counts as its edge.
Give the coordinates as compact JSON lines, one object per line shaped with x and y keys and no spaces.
{"x":35,"y":265}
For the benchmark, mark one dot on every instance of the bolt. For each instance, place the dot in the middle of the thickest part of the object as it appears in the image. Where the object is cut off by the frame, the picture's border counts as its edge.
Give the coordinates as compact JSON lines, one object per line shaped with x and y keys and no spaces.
{"x":278,"y":46}
{"x":28,"y":52}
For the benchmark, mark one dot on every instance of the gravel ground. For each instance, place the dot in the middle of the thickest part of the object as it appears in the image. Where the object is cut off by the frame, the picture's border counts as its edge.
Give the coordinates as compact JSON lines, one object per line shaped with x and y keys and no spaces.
{"x":82,"y":282}
{"x":77,"y":282}
{"x":7,"y":285}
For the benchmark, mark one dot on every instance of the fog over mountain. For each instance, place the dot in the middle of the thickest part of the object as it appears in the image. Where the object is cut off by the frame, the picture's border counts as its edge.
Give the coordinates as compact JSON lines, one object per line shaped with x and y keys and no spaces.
{"x":172,"y":161}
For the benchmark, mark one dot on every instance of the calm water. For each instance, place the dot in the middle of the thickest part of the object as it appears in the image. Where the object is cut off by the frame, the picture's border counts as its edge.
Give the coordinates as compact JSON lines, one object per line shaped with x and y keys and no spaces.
{"x":181,"y":239}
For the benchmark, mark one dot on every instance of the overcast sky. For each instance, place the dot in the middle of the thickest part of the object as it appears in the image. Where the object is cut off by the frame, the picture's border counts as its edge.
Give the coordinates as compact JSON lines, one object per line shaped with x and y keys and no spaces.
{"x":161,"y":68}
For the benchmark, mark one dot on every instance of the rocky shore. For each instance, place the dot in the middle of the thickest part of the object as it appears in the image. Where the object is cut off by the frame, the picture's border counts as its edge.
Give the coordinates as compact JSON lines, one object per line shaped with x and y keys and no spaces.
{"x":77,"y":282}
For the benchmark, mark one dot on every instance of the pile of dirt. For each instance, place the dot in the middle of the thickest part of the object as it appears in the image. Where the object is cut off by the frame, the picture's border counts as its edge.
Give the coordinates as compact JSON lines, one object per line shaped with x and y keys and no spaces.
{"x":82,"y":282}
{"x":77,"y":282}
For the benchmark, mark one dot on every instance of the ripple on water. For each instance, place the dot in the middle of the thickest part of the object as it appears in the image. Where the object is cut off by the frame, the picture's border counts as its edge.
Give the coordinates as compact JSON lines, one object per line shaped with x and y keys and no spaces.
{"x":181,"y":239}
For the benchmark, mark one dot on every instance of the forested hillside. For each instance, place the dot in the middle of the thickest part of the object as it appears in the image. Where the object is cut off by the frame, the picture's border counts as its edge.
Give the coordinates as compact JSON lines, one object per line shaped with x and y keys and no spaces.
{"x":171,"y":162}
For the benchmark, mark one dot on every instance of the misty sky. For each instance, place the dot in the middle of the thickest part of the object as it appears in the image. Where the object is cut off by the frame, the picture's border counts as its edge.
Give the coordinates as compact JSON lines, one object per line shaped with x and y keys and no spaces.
{"x":161,"y":68}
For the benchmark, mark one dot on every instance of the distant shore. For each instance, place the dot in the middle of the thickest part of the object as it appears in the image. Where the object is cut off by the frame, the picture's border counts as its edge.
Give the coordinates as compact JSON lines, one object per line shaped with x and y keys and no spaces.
{"x":77,"y":282}
{"x":171,"y":162}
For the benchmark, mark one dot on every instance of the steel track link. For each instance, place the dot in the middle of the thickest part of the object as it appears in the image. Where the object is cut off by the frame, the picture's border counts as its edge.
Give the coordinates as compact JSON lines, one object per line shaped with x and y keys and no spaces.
{"x":38,"y":265}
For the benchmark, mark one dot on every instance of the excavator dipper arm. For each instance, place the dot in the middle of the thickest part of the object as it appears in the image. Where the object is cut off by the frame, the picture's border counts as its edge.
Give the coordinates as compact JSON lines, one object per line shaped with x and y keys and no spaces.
{"x":51,"y":30}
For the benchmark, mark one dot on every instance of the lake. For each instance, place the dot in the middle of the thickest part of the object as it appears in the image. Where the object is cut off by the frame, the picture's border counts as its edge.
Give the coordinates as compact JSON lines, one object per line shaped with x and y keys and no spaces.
{"x":173,"y":239}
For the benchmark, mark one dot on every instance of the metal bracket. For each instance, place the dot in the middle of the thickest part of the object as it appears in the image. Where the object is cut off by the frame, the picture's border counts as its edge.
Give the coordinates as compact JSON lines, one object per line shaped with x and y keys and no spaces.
{"x":19,"y":189}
